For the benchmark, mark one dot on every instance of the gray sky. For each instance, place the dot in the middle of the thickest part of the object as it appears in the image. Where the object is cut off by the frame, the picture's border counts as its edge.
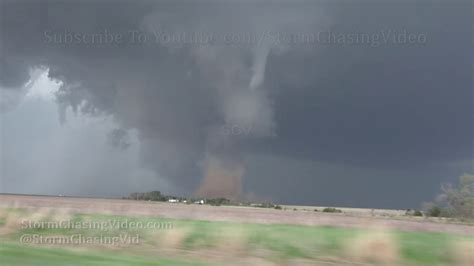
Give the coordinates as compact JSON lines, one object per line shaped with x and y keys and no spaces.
{"x":332,"y":103}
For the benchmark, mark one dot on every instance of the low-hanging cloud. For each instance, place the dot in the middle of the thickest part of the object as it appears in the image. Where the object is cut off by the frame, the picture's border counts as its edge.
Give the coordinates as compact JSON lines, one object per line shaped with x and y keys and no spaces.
{"x":182,"y":74}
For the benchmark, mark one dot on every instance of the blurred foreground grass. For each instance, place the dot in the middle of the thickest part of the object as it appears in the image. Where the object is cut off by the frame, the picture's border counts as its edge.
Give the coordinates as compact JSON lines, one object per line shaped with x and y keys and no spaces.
{"x":17,"y":254}
{"x":190,"y":242}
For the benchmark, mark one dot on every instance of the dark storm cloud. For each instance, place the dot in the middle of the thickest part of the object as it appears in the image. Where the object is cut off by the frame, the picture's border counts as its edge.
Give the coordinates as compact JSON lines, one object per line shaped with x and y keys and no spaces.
{"x":385,"y":106}
{"x":366,"y":104}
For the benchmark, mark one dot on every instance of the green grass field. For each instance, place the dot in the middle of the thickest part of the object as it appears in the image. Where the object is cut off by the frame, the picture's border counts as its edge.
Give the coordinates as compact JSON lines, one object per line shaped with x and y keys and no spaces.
{"x":190,"y":242}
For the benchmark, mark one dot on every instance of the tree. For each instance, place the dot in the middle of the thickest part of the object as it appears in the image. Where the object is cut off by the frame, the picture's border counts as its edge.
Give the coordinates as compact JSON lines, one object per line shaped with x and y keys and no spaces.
{"x":459,"y":201}
{"x":151,"y":196}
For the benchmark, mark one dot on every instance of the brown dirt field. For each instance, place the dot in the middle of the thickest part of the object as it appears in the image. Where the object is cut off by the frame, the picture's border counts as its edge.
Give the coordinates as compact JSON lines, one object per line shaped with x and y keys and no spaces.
{"x":227,"y":213}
